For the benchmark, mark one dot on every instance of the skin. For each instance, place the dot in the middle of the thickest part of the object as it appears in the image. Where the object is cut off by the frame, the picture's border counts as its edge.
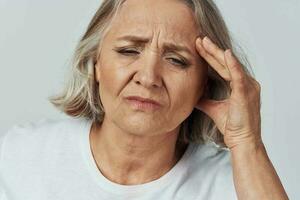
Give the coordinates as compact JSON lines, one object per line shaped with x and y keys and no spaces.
{"x":137,"y":147}
{"x":238,"y":119}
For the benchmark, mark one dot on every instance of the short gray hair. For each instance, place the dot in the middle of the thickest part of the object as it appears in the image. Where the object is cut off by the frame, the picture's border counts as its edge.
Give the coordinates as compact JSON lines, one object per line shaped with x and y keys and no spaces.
{"x":81,"y":98}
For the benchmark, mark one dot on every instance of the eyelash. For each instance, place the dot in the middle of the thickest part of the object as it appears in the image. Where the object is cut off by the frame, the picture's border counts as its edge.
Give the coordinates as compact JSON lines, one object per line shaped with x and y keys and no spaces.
{"x":130,"y":52}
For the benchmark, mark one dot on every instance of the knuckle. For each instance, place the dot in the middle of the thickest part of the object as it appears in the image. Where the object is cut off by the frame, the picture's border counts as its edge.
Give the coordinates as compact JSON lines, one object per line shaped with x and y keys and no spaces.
{"x":241,"y":86}
{"x":241,"y":78}
{"x":236,"y":64}
{"x":256,"y":84}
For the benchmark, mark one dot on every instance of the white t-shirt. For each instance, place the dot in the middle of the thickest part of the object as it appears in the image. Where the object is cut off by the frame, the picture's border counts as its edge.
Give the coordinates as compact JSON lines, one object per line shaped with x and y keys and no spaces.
{"x":52,"y":160}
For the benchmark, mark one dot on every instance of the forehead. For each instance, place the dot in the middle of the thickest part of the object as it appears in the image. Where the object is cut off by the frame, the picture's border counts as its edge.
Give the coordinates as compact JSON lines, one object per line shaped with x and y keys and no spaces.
{"x":171,"y":18}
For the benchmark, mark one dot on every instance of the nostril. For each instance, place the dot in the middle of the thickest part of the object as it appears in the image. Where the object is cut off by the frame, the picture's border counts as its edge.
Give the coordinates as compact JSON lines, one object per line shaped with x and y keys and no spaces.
{"x":147,"y":78}
{"x":137,"y":82}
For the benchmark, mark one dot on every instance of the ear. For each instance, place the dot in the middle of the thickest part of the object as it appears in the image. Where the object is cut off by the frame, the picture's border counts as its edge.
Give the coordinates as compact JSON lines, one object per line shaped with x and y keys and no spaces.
{"x":97,"y":71}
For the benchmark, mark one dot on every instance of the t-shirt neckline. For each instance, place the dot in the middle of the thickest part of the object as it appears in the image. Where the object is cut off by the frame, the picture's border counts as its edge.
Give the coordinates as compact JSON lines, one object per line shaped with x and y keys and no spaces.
{"x":109,"y":186}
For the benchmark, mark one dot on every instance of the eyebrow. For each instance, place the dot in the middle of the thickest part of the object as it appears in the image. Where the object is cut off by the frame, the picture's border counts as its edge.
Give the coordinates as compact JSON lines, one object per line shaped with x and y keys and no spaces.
{"x":167,"y":45}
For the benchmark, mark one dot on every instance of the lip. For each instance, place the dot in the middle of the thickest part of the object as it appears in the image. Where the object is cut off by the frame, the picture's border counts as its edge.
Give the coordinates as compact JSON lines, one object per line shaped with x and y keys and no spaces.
{"x":142,"y":103}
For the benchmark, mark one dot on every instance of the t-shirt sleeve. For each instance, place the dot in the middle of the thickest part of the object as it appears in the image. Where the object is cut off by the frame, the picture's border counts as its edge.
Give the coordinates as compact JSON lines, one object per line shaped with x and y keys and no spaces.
{"x":2,"y":141}
{"x":4,"y":137}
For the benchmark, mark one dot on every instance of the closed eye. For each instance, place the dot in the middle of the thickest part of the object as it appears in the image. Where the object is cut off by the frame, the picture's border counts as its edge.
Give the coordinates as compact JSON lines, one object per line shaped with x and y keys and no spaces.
{"x":177,"y":62}
{"x":133,"y":52}
{"x":127,"y":52}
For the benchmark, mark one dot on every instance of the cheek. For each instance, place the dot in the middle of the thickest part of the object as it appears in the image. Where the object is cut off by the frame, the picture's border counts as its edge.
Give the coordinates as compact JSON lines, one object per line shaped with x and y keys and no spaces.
{"x":181,"y":96}
{"x":189,"y":87}
{"x":113,"y":76}
{"x":110,"y":84}
{"x":184,"y":94}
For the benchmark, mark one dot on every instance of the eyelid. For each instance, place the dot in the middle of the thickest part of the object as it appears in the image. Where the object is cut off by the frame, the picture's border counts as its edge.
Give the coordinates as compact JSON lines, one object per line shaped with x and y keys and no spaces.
{"x":124,"y":50}
{"x":178,"y":61}
{"x":181,"y":58}
{"x":178,"y":57}
{"x":127,"y":48}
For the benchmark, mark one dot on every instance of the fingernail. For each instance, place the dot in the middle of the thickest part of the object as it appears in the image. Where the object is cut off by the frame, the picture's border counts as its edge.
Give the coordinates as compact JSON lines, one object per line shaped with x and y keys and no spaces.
{"x":199,"y":41}
{"x":208,"y":40}
{"x":229,"y":53}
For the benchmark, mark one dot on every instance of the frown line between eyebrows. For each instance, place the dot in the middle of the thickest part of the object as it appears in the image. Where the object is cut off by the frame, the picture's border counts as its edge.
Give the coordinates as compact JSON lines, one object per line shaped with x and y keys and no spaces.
{"x":167,"y":45}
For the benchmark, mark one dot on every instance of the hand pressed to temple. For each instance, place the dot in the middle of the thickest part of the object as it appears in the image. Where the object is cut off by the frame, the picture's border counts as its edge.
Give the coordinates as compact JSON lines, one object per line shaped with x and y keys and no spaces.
{"x":238,"y":119}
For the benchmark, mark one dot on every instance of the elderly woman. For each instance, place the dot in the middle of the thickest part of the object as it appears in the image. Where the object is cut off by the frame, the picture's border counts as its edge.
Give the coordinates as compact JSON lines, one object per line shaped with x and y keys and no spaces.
{"x":164,"y":110}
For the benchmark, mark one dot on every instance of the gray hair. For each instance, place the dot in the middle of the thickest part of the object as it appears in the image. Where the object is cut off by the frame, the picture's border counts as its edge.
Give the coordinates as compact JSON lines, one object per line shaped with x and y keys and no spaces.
{"x":81,"y":98}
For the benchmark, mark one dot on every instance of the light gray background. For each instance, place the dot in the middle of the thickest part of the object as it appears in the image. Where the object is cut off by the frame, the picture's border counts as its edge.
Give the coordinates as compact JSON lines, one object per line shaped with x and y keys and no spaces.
{"x":37,"y":39}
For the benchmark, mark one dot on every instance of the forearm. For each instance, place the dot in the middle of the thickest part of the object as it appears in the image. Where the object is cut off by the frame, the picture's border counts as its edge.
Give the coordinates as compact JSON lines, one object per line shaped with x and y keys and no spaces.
{"x":254,"y":175}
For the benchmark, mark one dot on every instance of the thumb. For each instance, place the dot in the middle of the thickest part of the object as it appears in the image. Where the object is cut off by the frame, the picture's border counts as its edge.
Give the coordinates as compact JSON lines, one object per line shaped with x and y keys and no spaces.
{"x":211,"y":107}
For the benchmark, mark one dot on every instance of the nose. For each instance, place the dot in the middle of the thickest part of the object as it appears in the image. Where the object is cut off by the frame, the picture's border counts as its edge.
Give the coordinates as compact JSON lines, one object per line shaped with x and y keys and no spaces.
{"x":149,"y":72}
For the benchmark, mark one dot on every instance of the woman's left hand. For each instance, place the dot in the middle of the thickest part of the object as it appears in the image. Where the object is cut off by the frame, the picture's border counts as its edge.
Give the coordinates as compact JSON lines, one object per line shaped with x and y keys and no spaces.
{"x":238,"y":117}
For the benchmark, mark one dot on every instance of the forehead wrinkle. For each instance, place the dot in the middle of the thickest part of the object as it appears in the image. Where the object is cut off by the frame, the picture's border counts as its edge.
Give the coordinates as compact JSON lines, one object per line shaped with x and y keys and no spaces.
{"x":167,"y":45}
{"x":157,"y":41}
{"x":175,"y":29}
{"x":170,"y":40}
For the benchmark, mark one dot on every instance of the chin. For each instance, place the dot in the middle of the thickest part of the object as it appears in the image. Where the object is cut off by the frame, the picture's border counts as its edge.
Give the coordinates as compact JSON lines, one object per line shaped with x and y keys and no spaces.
{"x":139,"y":126}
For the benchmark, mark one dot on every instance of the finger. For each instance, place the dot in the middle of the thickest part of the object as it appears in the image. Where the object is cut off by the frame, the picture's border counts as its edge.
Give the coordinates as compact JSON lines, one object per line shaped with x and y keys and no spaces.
{"x":208,"y":106}
{"x":221,"y":70}
{"x":238,"y":75}
{"x":255,"y":83}
{"x":214,"y":50}
{"x":239,"y":79}
{"x":212,"y":108}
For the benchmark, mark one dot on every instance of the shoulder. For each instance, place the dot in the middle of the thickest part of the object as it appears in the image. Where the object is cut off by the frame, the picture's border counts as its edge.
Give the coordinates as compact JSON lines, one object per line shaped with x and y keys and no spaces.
{"x":43,"y":127}
{"x":29,"y":151}
{"x":29,"y":138}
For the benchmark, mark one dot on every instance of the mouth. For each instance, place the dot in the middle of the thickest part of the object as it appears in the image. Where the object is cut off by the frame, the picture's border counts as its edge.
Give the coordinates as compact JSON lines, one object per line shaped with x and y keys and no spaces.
{"x":141,"y":103}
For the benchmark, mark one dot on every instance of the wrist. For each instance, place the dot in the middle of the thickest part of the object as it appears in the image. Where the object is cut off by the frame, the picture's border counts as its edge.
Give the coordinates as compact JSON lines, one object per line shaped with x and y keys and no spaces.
{"x":248,"y":147}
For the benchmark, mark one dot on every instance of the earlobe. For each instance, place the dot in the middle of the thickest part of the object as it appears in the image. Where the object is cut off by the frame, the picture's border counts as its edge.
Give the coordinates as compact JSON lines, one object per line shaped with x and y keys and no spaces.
{"x":97,"y":72}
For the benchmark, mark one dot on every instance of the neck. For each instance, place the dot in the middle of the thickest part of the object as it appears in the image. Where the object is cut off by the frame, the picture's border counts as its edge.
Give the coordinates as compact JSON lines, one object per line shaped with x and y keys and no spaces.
{"x":130,"y":159}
